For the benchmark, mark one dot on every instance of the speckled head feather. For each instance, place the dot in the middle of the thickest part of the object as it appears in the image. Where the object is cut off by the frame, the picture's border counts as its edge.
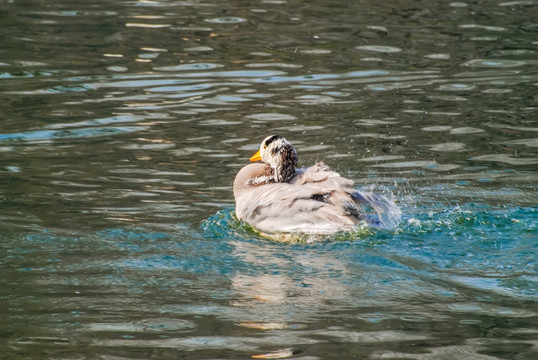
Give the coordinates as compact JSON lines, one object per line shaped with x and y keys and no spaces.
{"x":281,"y":156}
{"x":268,"y":140}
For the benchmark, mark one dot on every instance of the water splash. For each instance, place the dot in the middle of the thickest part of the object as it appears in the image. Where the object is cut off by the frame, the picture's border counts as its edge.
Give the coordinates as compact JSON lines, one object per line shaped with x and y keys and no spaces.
{"x":388,"y":213}
{"x":382,"y":213}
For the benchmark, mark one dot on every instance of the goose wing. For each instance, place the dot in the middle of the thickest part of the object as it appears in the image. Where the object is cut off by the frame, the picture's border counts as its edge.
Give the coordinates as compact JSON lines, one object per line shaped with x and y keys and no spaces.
{"x":317,"y":200}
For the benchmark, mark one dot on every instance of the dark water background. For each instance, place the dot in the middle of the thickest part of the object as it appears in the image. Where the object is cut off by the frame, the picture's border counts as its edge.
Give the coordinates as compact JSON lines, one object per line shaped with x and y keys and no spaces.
{"x":123,"y":123}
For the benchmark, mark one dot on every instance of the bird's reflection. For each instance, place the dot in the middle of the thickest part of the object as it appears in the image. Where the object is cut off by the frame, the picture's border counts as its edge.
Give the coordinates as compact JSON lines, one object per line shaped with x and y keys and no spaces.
{"x":289,"y":285}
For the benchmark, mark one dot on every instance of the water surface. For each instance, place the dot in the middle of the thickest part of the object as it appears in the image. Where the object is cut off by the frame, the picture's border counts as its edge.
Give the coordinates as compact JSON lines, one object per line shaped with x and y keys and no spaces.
{"x":122,"y":125}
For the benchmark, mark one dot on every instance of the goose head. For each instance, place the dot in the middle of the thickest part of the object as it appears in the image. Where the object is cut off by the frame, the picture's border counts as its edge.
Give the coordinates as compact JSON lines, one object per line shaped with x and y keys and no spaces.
{"x":280,"y":155}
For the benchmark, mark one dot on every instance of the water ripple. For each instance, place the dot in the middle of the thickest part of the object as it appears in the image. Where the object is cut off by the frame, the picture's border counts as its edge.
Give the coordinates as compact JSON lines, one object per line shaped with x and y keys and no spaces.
{"x":494,"y":63}
{"x":226,"y":20}
{"x":47,"y":135}
{"x":379,"y":48}
{"x":124,"y":124}
{"x":186,"y":67}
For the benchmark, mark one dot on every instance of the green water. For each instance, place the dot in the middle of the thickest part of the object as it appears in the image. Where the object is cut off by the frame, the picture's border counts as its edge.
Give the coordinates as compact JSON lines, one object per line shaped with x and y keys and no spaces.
{"x":123,"y":124}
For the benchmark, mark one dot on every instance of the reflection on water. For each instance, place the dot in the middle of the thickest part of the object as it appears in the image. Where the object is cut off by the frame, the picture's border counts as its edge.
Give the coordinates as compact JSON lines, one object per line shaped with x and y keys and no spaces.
{"x":123,"y":125}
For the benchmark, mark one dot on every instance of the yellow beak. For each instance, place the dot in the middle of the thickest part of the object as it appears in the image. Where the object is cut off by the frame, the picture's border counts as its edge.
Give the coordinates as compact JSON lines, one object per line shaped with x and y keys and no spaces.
{"x":256,"y":157}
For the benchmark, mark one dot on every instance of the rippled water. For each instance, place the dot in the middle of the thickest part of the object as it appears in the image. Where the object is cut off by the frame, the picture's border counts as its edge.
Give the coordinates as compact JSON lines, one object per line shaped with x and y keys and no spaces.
{"x":122,"y":125}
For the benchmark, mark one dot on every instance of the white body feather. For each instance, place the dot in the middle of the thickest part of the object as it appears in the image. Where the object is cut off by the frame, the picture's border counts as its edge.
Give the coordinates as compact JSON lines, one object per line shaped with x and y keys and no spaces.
{"x":315,"y":201}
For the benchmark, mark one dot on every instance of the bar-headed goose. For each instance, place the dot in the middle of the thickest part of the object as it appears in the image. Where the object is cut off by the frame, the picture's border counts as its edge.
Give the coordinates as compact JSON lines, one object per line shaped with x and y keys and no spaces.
{"x":274,"y":196}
